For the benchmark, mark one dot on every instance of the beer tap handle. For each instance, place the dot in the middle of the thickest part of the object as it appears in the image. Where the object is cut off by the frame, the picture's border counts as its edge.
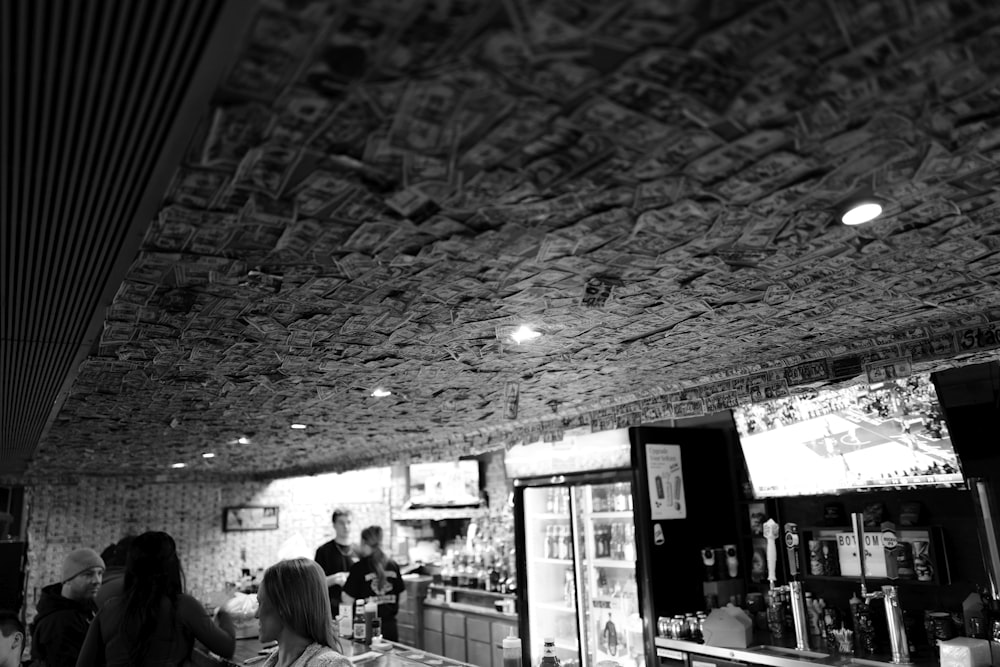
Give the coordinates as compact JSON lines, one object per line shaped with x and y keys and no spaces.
{"x":771,"y":535}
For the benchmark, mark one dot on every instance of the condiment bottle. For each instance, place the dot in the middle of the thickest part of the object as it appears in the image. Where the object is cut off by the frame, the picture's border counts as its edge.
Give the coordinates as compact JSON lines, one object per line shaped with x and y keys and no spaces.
{"x":359,"y":622}
{"x":511,"y":650}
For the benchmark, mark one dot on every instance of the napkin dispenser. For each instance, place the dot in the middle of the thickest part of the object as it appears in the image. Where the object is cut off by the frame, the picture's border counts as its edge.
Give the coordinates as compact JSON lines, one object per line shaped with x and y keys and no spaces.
{"x":728,"y":626}
{"x":964,"y":652}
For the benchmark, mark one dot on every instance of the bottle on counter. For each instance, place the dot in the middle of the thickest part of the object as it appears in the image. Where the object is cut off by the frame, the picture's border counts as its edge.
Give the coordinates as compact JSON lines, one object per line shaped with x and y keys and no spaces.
{"x":549,"y":657}
{"x":371,"y":613}
{"x":359,"y":621}
{"x":345,"y":624}
{"x":511,"y":650}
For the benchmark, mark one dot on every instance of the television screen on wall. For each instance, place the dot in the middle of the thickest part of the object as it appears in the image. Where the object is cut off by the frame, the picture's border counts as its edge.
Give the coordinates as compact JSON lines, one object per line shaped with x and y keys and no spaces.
{"x":446,"y":484}
{"x":864,"y":437}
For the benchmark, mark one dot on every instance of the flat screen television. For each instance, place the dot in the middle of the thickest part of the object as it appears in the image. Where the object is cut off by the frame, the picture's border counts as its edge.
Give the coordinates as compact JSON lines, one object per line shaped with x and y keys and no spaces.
{"x":859,"y":438}
{"x":446,"y":484}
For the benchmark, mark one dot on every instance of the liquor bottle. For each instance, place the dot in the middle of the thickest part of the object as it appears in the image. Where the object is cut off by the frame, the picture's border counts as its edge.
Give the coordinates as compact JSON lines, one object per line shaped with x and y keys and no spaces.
{"x":482,"y":576}
{"x":493,"y":577}
{"x":549,"y":657}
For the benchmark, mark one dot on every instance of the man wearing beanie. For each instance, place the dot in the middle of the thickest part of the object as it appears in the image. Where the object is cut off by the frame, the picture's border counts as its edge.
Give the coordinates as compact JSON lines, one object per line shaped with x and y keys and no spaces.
{"x":65,"y":611}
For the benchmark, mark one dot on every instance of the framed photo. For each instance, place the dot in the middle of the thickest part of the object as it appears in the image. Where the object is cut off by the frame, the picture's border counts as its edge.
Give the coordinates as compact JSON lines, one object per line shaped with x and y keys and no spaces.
{"x":250,"y":517}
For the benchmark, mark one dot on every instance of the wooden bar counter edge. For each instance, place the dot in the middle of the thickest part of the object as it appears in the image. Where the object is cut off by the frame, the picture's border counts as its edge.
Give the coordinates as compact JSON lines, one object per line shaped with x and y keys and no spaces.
{"x":383,"y":654}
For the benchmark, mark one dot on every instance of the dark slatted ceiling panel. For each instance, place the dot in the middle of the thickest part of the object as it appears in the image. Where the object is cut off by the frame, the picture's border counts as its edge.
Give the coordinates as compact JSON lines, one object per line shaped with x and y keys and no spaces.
{"x":89,"y":93}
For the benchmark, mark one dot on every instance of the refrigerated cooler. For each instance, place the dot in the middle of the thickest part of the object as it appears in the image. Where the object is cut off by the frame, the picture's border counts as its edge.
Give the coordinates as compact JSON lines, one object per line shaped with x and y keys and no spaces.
{"x":593,"y":514}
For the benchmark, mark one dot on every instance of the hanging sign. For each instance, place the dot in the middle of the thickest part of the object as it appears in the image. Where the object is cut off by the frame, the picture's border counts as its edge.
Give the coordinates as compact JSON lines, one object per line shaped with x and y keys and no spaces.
{"x":666,"y":482}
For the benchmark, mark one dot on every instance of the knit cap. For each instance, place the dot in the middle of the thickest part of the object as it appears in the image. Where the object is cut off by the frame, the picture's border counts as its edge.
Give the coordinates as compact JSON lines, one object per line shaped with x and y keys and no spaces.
{"x":78,"y":561}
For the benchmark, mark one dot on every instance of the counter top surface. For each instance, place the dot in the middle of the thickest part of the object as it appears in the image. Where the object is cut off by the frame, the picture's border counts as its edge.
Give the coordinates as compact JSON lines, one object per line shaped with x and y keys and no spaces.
{"x":470,"y":609}
{"x":783,"y":656}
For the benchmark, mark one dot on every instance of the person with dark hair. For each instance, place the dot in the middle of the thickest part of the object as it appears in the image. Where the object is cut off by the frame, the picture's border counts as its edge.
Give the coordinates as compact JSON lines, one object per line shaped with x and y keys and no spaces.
{"x":337,"y":556}
{"x":294,"y":611}
{"x":11,"y":639}
{"x":376,"y":578}
{"x":114,"y":577}
{"x":65,"y":610}
{"x":153,"y":621}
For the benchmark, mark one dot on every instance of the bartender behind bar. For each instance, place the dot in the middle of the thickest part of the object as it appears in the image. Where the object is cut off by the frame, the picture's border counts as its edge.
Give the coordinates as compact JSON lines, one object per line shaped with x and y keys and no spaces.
{"x":337,"y":556}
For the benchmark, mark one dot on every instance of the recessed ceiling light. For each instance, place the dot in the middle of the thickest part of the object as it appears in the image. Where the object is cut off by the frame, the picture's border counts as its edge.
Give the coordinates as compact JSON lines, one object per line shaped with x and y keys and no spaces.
{"x":243,"y":440}
{"x":298,"y":427}
{"x":178,"y":465}
{"x":208,"y":455}
{"x":861,"y":212}
{"x":524,"y":333}
{"x":380,"y":392}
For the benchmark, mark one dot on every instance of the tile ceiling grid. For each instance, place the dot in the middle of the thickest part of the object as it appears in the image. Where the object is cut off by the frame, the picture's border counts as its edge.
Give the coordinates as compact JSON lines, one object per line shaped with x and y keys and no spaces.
{"x":383,"y":189}
{"x":89,"y":93}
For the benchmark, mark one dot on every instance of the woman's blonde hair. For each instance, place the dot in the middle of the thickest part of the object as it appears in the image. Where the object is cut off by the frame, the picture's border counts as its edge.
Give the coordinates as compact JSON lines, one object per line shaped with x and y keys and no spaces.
{"x":297,"y":590}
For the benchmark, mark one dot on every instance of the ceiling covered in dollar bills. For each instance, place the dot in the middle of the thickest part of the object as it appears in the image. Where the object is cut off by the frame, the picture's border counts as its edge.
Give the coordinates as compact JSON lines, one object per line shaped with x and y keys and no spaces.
{"x":380,"y":192}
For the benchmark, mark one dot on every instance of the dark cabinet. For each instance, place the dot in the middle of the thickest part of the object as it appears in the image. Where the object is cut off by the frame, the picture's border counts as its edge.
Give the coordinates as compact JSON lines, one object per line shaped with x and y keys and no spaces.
{"x":454,"y":647}
{"x":433,"y":632}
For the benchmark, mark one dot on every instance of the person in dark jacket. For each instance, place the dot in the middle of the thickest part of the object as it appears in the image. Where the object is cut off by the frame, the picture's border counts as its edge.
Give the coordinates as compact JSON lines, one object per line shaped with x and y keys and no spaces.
{"x":337,"y":556}
{"x":65,"y":611}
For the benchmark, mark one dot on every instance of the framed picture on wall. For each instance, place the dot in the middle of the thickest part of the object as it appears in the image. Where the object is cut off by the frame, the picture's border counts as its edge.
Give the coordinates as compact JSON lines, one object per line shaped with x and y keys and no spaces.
{"x":250,"y":517}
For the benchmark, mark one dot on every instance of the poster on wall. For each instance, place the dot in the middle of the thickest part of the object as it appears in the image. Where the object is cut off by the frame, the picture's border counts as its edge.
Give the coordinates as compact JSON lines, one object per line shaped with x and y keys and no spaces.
{"x":666,"y":482}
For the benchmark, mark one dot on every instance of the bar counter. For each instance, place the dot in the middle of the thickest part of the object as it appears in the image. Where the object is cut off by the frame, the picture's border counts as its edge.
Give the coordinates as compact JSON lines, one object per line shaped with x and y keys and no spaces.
{"x":672,"y":650}
{"x":387,"y":654}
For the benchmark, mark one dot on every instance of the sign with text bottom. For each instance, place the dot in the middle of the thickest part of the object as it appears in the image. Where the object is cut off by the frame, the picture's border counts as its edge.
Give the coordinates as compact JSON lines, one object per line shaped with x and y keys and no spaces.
{"x":850,"y":562}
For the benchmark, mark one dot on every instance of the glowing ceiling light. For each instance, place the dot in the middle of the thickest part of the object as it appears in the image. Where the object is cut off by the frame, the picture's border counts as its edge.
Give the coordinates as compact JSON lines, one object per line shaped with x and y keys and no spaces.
{"x":524,"y":333}
{"x":298,"y":427}
{"x":861,"y":212}
{"x":178,"y":465}
{"x":244,"y":440}
{"x":379,"y":392}
{"x":208,"y":455}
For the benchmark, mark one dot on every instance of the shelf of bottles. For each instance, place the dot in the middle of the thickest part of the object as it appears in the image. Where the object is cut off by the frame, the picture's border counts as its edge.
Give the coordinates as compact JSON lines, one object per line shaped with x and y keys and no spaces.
{"x":483,"y":564}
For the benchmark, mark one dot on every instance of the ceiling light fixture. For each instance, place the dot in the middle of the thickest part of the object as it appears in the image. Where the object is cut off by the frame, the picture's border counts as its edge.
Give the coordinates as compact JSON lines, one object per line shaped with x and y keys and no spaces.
{"x":298,"y":427}
{"x":525,"y":333}
{"x":178,"y":465}
{"x":380,"y":392}
{"x":860,"y":211}
{"x":243,"y":440}
{"x":208,"y":455}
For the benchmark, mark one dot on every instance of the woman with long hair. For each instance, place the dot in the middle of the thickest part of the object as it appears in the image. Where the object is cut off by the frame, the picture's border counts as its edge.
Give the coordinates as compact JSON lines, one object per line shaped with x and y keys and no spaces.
{"x":153,"y":622}
{"x":376,"y":578}
{"x":295,"y":612}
